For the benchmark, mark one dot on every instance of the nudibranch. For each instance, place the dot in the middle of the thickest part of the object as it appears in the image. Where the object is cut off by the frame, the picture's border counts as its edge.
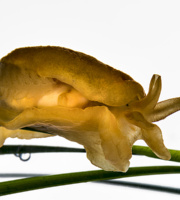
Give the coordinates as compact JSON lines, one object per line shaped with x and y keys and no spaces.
{"x":73,"y":95}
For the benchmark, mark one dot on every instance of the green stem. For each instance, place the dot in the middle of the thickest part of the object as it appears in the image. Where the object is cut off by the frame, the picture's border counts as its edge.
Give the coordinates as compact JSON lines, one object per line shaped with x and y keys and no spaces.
{"x":13,"y":149}
{"x":159,"y":188}
{"x":11,"y":187}
{"x":146,"y":151}
{"x":136,"y":150}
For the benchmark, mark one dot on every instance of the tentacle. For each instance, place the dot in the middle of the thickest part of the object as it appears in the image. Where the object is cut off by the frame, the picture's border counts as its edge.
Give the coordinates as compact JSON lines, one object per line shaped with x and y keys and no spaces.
{"x":150,"y":100}
{"x":149,"y":106}
{"x":165,"y":108}
{"x":153,"y":138}
{"x":151,"y":134}
{"x":152,"y":97}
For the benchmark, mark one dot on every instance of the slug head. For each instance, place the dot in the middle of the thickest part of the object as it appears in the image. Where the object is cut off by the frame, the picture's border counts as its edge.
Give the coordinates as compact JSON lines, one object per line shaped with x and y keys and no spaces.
{"x":141,"y":114}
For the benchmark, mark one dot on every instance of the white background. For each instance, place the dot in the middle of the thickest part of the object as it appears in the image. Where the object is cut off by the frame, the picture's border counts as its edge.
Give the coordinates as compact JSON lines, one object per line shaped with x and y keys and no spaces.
{"x":139,"y":37}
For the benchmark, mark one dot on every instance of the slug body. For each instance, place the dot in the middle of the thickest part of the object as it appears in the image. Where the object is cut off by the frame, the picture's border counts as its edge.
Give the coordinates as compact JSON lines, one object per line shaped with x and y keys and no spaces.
{"x":71,"y":94}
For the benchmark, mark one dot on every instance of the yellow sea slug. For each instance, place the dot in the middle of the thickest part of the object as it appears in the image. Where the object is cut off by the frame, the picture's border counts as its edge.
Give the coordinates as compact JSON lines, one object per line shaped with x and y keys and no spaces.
{"x":73,"y":95}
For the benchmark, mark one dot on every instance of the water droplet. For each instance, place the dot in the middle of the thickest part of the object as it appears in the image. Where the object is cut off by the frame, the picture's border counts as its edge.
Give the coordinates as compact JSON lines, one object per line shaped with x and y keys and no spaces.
{"x":22,"y":156}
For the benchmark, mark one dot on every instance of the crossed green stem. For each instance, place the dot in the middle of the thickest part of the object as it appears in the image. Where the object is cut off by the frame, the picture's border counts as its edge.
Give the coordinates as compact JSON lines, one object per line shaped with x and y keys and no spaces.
{"x":27,"y":184}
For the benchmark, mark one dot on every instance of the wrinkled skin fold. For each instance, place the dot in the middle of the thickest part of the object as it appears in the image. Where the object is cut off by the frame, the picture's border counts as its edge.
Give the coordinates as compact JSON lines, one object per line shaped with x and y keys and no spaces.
{"x":107,"y":131}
